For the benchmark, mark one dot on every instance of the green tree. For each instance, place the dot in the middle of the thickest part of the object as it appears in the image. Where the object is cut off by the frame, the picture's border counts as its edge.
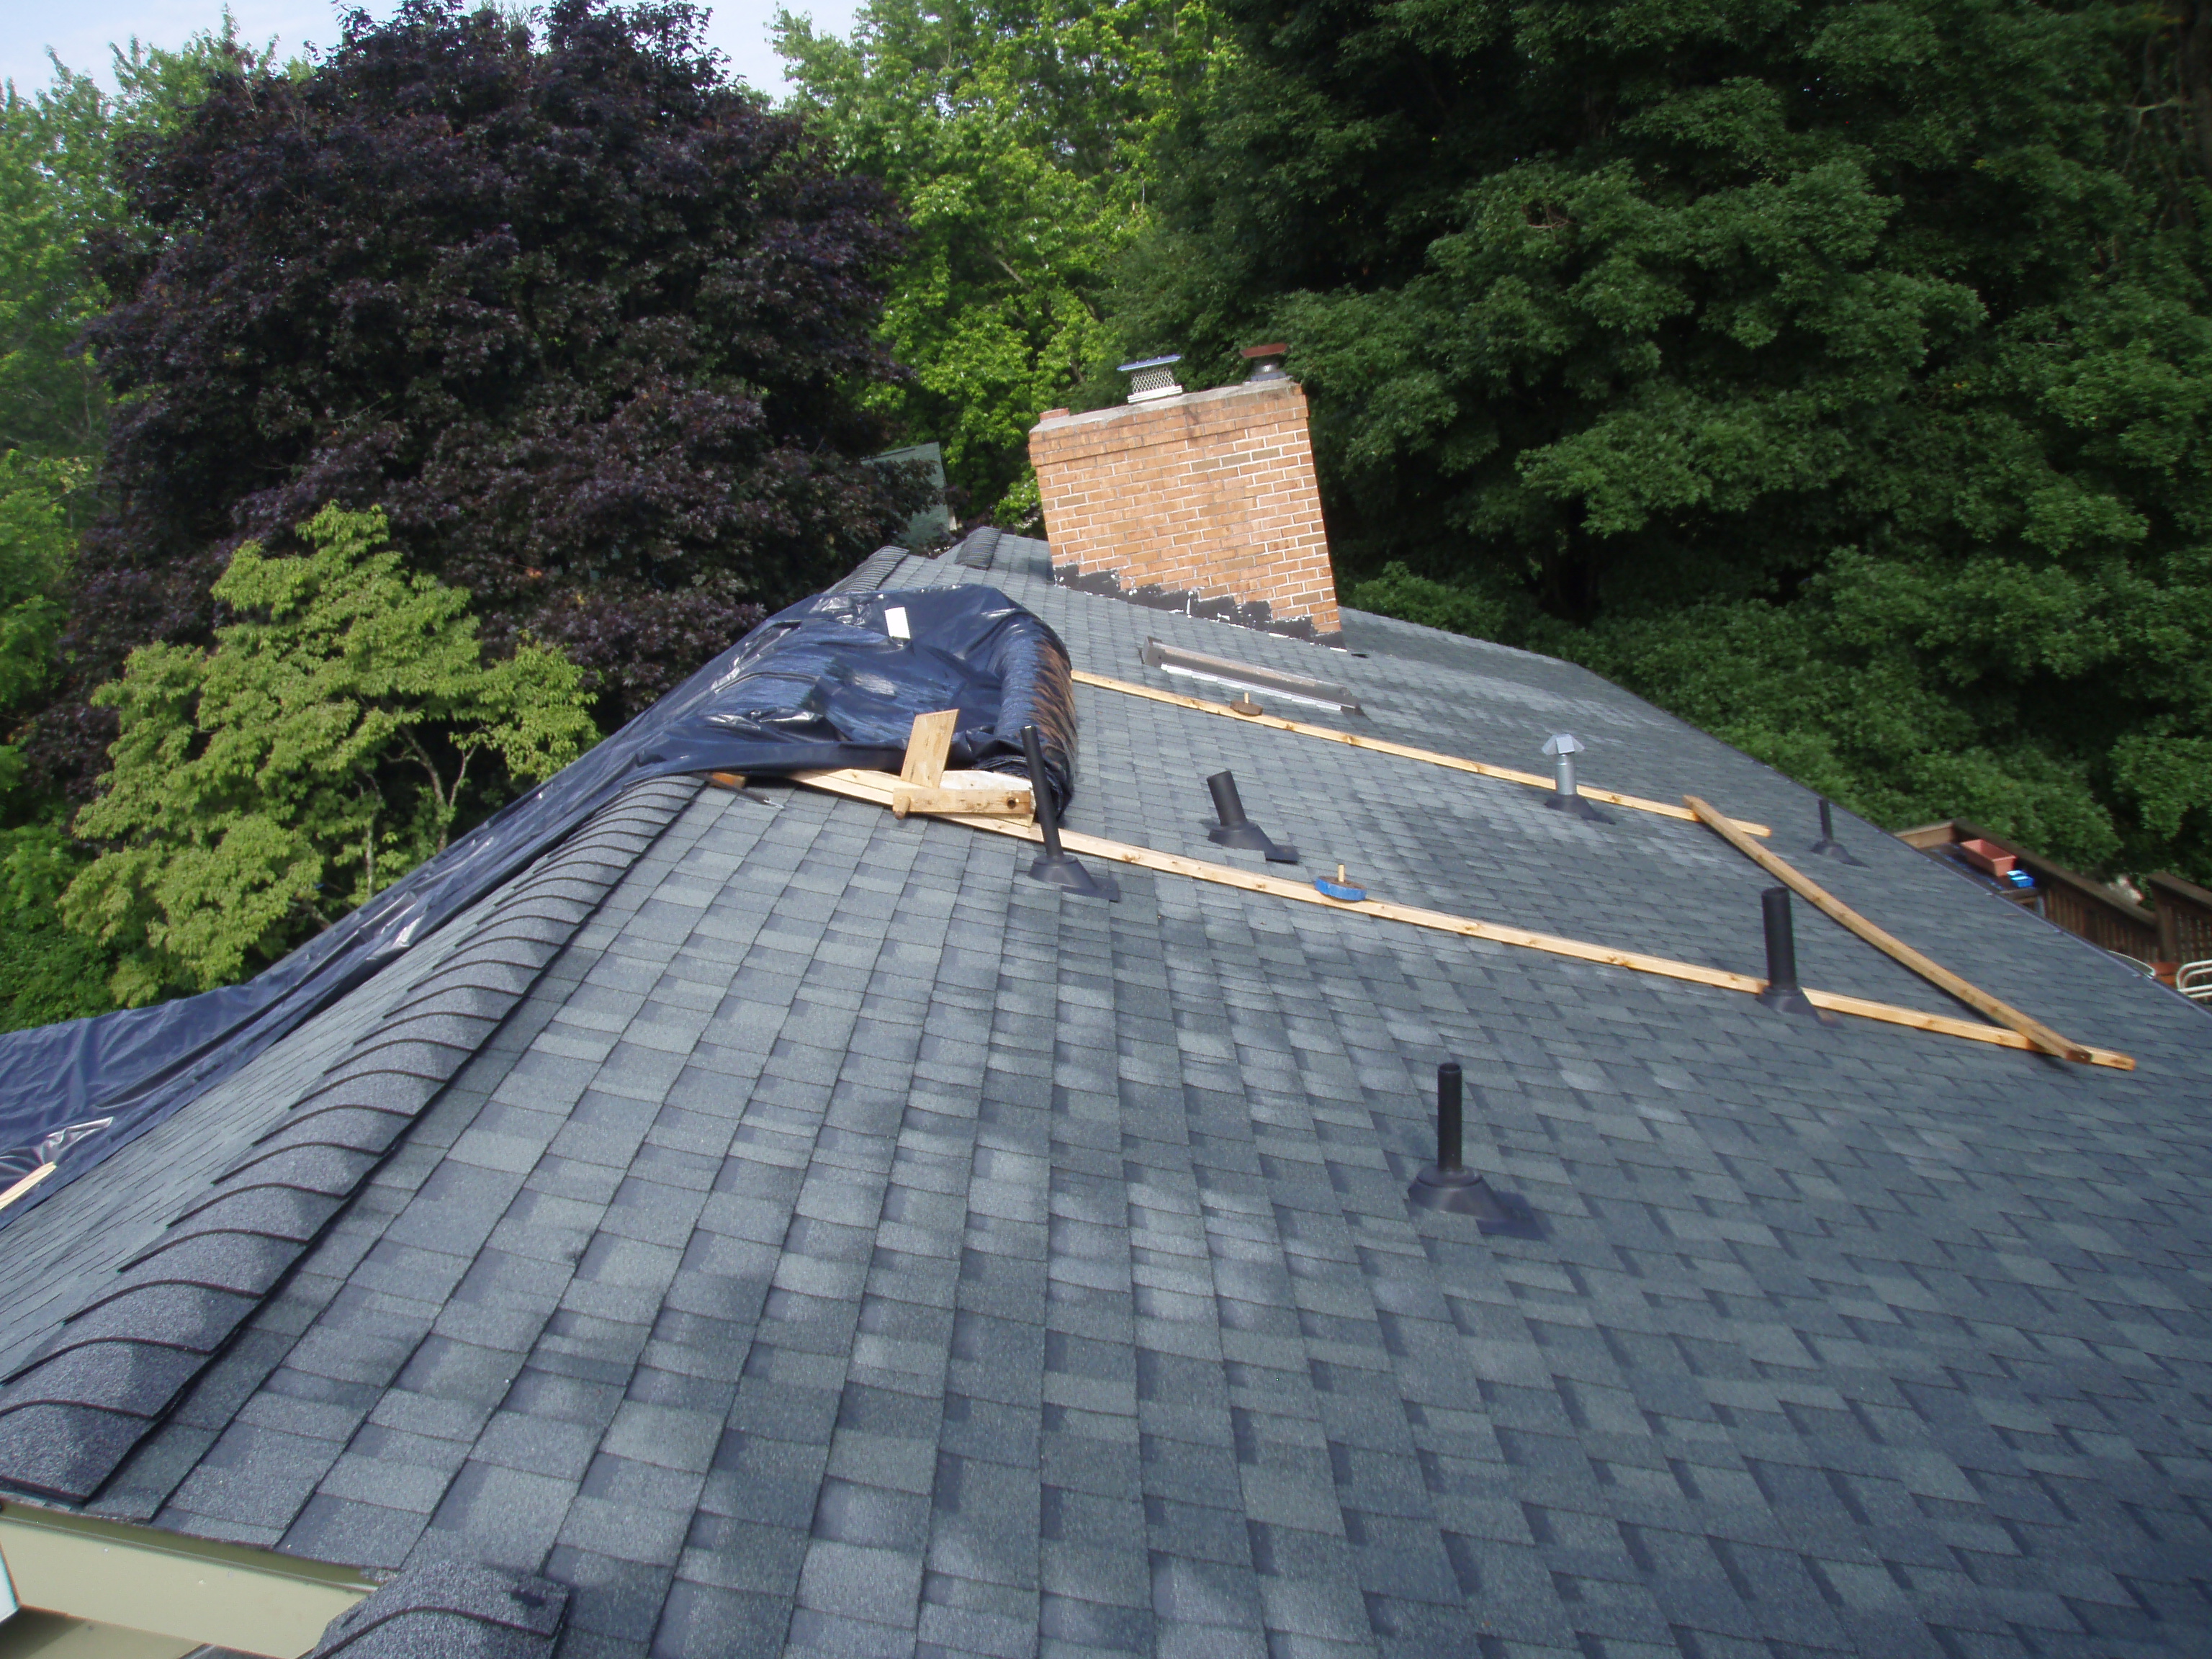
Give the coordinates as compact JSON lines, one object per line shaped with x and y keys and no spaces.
{"x":46,"y":973}
{"x":34,"y":550}
{"x":60,"y":193}
{"x":1015,"y":134}
{"x":1835,"y":375}
{"x":60,"y":188}
{"x":322,"y":748}
{"x":50,"y":394}
{"x":583,"y":319}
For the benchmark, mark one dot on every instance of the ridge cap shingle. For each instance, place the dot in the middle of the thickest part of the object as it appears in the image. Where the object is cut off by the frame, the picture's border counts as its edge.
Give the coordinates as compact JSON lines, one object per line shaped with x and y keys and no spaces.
{"x":200,"y":1315}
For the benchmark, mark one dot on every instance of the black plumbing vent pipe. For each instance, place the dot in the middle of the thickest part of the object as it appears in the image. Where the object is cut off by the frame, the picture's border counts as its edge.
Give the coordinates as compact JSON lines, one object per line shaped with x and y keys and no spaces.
{"x":1451,"y":1120}
{"x":1781,"y":939}
{"x":1782,"y":992}
{"x":1235,"y":829}
{"x":1057,"y":866}
{"x":1449,"y":1184}
{"x":1828,"y":846}
{"x":1228,"y":805}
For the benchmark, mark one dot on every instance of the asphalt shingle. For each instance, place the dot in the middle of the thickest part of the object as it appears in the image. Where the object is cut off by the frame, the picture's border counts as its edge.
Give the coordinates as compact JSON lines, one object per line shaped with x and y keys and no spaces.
{"x":844,"y":1244}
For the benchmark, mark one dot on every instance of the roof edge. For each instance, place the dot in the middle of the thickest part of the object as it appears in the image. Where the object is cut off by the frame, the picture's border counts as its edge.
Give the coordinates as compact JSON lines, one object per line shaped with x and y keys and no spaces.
{"x":74,"y":1412}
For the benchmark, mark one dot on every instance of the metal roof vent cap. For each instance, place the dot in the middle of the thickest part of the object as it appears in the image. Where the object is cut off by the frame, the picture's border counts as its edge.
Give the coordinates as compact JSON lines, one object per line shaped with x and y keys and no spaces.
{"x":1152,"y":377}
{"x":1566,"y":794}
{"x":1266,"y":361}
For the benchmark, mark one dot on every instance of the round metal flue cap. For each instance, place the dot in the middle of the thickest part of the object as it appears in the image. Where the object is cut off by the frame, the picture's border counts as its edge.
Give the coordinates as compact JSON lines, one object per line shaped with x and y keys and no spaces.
{"x":1267,"y":362}
{"x":1152,"y":377}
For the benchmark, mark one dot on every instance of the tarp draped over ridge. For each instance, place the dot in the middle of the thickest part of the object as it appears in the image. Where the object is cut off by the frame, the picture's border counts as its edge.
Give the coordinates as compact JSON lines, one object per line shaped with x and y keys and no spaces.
{"x":825,"y":683}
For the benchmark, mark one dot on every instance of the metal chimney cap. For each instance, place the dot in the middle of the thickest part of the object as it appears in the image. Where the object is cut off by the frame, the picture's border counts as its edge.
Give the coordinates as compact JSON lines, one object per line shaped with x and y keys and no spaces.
{"x":1266,"y":361}
{"x":1152,"y":377}
{"x":1563,"y":744}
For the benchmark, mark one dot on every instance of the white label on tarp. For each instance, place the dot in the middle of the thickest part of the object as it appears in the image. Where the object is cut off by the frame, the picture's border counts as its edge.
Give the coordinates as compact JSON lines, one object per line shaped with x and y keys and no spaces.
{"x":895,"y":623}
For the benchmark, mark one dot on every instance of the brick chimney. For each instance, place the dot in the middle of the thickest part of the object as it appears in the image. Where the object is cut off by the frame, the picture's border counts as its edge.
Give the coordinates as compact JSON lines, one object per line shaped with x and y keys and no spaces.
{"x":1208,"y":494}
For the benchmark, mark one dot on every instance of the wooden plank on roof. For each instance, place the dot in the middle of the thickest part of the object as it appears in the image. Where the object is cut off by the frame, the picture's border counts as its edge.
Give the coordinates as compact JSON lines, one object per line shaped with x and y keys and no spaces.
{"x":19,"y":1188}
{"x":1946,"y":1025}
{"x":879,"y":789}
{"x":1013,"y":803}
{"x":2034,"y":1031}
{"x":1403,"y":752}
{"x":927,"y":745}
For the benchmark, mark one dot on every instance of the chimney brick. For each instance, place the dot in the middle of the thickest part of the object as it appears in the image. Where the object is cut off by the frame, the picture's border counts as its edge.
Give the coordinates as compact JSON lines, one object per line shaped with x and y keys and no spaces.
{"x":1211,"y":492}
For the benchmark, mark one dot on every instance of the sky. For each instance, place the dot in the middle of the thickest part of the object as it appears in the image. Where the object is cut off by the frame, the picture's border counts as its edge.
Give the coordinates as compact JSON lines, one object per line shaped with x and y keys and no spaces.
{"x":81,"y":30}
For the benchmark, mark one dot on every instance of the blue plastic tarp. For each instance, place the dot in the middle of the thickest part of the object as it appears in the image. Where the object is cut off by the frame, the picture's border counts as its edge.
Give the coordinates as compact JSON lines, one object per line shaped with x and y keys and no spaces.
{"x":828,"y":682}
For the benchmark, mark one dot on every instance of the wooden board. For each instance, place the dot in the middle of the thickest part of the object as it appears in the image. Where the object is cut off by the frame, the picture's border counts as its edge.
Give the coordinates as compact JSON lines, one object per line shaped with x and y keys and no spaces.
{"x":1380,"y":746}
{"x":726,"y":779}
{"x":2035,"y":1031}
{"x":877,"y":788}
{"x":1945,"y":1025}
{"x":927,"y":745}
{"x":18,"y":1188}
{"x":983,"y":803}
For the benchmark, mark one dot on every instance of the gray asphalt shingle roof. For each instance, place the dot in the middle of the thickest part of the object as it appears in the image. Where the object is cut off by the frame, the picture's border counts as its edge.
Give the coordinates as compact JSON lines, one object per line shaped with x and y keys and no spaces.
{"x":844,"y":1244}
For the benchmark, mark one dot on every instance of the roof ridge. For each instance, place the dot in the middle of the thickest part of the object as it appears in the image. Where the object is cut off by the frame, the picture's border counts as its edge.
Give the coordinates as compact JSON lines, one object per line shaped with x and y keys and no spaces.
{"x":868,"y":576}
{"x":78,"y":1407}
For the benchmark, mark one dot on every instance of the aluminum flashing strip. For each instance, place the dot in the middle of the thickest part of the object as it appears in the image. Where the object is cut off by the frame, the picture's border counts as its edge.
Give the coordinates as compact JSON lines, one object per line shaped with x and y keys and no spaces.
{"x":876,"y":787}
{"x":1383,"y":746}
{"x":72,"y":1411}
{"x":1320,"y":693}
{"x":223,"y":1596}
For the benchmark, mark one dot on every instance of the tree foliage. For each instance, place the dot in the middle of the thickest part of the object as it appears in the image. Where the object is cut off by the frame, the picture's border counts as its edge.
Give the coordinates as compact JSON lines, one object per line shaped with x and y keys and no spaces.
{"x":51,"y":397}
{"x":1016,"y":135}
{"x":321,"y":749}
{"x":584,"y":318}
{"x":59,"y":188}
{"x":1835,"y":375}
{"x":45,"y":972}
